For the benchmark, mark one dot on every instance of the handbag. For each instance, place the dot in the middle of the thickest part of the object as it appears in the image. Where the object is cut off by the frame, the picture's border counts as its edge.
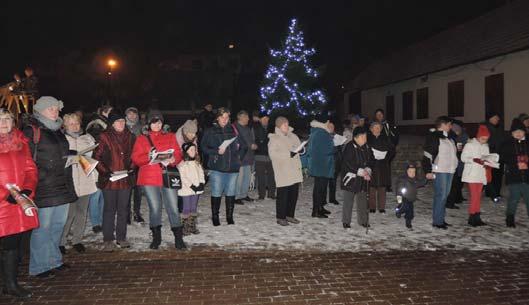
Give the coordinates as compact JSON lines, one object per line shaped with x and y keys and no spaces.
{"x":170,"y":175}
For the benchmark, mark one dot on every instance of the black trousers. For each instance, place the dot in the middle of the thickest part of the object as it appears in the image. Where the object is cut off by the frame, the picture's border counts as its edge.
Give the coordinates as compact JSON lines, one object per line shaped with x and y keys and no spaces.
{"x":408,"y":211}
{"x":456,"y":192}
{"x":264,"y":173}
{"x":11,"y":242}
{"x":493,"y":189}
{"x":115,"y":214}
{"x":332,"y":190}
{"x":287,"y":197}
{"x":319,"y":193}
{"x":135,"y":196}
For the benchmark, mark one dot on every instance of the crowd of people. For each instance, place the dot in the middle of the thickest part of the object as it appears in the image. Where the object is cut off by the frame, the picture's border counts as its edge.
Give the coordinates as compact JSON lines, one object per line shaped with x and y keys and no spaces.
{"x":103,"y":168}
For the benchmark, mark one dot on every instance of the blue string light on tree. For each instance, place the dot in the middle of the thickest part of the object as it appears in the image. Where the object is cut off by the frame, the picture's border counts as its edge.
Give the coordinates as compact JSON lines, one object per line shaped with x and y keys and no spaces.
{"x":290,"y":83}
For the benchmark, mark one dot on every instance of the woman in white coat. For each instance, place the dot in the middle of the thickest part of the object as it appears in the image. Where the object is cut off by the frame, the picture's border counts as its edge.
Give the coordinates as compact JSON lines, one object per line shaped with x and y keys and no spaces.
{"x":477,"y":160}
{"x":287,"y":170}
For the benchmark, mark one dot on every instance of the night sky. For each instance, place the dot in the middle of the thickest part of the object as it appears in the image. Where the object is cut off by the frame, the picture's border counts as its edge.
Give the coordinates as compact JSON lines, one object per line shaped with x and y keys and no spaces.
{"x":67,"y":42}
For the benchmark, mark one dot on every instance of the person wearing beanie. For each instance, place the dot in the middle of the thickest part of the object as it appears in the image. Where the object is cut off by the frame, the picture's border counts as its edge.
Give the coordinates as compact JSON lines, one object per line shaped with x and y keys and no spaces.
{"x":99,"y":122}
{"x":497,"y":136}
{"x":406,"y":191}
{"x":356,"y":174}
{"x":440,"y":162}
{"x":477,"y":172}
{"x":114,"y":155}
{"x":193,"y":181}
{"x":55,"y":188}
{"x":320,"y":157}
{"x":524,"y":118}
{"x":514,"y":155}
{"x":223,"y":164}
{"x":155,"y":179}
{"x":460,"y":136}
{"x":132,"y":119}
{"x":287,"y":170}
{"x":264,"y":171}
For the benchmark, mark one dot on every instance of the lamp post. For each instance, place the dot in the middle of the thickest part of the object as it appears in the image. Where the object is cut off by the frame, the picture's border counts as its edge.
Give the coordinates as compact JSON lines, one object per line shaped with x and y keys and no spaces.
{"x":111,"y":63}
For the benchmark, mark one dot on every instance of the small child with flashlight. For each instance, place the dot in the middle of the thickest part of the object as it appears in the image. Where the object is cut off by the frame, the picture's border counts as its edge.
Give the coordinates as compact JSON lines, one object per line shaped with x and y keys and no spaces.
{"x":406,"y":190}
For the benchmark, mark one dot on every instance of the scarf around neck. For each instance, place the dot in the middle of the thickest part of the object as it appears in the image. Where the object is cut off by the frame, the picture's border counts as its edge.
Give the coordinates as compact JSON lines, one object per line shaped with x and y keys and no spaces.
{"x":52,"y":125}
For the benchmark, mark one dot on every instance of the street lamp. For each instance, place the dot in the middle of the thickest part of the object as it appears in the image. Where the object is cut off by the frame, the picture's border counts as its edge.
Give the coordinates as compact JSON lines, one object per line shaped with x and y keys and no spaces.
{"x":111,"y":63}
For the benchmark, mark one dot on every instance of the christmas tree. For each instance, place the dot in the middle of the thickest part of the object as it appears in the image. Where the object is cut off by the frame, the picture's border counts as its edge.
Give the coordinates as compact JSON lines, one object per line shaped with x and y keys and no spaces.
{"x":290,"y":82}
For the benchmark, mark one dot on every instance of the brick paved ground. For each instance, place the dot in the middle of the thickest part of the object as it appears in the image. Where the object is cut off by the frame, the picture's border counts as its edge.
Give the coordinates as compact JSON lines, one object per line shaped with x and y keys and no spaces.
{"x":207,"y":276}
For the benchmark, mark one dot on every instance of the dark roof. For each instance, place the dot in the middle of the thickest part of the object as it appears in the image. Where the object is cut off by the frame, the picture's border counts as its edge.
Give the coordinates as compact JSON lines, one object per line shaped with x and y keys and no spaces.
{"x":501,"y":31}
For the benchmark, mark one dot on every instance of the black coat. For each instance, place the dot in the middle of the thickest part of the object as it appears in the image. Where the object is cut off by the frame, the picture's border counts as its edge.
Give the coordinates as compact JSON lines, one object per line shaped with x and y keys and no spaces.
{"x":511,"y":152}
{"x":261,"y":140}
{"x":55,"y":186}
{"x":355,"y":157}
{"x":382,"y":168}
{"x":230,"y":161}
{"x":497,"y":137}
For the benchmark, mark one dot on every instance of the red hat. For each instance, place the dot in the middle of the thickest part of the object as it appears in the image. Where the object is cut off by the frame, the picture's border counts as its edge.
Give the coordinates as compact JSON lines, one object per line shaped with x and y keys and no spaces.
{"x":483,"y":131}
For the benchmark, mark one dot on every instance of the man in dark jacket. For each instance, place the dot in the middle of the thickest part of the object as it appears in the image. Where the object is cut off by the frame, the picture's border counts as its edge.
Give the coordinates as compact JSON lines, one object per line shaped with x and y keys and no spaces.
{"x":246,"y":135}
{"x":224,"y":162}
{"x":357,"y":162}
{"x":99,"y":122}
{"x":55,"y":189}
{"x":514,"y":154}
{"x":206,"y":118}
{"x":264,"y":172}
{"x":497,"y":136}
{"x":320,"y":155}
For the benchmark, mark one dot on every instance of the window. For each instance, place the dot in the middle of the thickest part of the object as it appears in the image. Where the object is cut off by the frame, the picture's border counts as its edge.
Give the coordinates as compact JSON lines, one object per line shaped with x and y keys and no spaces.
{"x":407,"y":105}
{"x":422,"y":103}
{"x":456,"y":98}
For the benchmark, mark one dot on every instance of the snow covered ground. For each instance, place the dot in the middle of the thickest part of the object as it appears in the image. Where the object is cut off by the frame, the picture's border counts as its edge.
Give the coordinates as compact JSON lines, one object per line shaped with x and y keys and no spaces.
{"x":255,"y":228}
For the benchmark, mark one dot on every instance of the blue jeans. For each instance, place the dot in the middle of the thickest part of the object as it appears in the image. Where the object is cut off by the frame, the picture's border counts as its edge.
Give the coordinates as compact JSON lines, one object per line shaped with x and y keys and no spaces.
{"x":243,"y":181}
{"x":95,"y":207}
{"x":223,"y":183}
{"x":442,"y":185}
{"x":158,"y":196}
{"x":45,"y":240}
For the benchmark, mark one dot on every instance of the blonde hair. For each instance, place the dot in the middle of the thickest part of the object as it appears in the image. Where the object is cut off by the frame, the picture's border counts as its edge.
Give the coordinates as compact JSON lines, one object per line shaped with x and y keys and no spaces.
{"x":4,"y":111}
{"x":71,"y":116}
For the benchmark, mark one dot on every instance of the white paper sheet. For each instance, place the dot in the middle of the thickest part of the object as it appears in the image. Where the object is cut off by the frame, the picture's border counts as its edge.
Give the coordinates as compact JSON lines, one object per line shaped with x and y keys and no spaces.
{"x":339,"y":140}
{"x":161,"y":156}
{"x":379,"y":155}
{"x":227,"y":143}
{"x":300,"y":147}
{"x":118,"y":175}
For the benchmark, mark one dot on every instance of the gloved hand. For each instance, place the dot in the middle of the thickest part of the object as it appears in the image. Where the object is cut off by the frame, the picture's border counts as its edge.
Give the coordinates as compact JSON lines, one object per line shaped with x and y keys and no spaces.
{"x":198,"y":188}
{"x":347,"y":178}
{"x":151,"y":154}
{"x":72,"y":152}
{"x":478,"y":161}
{"x":293,"y":154}
{"x":12,"y":200}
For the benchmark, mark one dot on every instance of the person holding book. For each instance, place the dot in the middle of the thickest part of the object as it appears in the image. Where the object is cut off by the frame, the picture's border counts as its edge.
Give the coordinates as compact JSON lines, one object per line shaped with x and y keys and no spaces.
{"x":157,"y":154}
{"x":384,"y":151}
{"x":114,"y":155}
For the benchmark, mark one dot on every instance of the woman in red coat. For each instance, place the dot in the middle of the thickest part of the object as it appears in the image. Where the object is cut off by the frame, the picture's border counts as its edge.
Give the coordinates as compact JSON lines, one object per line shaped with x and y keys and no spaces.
{"x":16,"y":167}
{"x":150,"y":178}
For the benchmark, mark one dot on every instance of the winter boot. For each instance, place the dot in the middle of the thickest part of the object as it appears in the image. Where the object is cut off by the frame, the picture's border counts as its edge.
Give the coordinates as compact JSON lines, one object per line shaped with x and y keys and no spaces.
{"x":230,"y":206}
{"x":215,"y":207}
{"x":479,"y":221}
{"x":156,"y":237}
{"x":194,"y":229}
{"x":510,"y":221}
{"x":186,"y":223}
{"x":9,"y":268}
{"x":178,"y":238}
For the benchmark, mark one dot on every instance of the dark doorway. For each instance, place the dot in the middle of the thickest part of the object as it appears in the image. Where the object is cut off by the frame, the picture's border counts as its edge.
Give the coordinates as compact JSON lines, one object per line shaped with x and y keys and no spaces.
{"x":494,"y":96}
{"x":390,"y":108}
{"x":355,"y":102}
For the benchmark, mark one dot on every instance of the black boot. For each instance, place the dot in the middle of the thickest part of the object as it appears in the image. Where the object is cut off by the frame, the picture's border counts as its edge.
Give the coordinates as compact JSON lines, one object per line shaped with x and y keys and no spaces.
{"x":9,"y":266}
{"x":156,"y":237}
{"x":479,"y":222}
{"x":179,"y":238}
{"x":230,"y":206}
{"x":510,"y":221}
{"x":215,"y":207}
{"x":472,"y":220}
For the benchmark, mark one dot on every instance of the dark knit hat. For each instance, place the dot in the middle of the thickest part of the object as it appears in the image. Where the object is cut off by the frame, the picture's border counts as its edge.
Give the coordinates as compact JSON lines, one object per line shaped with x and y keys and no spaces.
{"x":185,"y":147}
{"x":517,"y":125}
{"x":410,"y":165}
{"x":322,"y":117}
{"x":114,"y":116}
{"x":154,"y":115}
{"x":491,"y":114}
{"x":523,"y":117}
{"x":358,"y":131}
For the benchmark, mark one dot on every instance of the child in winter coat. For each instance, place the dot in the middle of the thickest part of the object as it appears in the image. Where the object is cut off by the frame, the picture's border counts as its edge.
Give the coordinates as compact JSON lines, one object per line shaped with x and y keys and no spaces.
{"x":478,"y":161}
{"x":407,"y":186}
{"x":193,"y":181}
{"x":514,"y":154}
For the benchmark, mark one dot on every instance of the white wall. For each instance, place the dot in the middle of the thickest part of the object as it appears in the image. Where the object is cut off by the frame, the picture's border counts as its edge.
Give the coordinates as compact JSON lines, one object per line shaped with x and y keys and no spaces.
{"x":515,"y":68}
